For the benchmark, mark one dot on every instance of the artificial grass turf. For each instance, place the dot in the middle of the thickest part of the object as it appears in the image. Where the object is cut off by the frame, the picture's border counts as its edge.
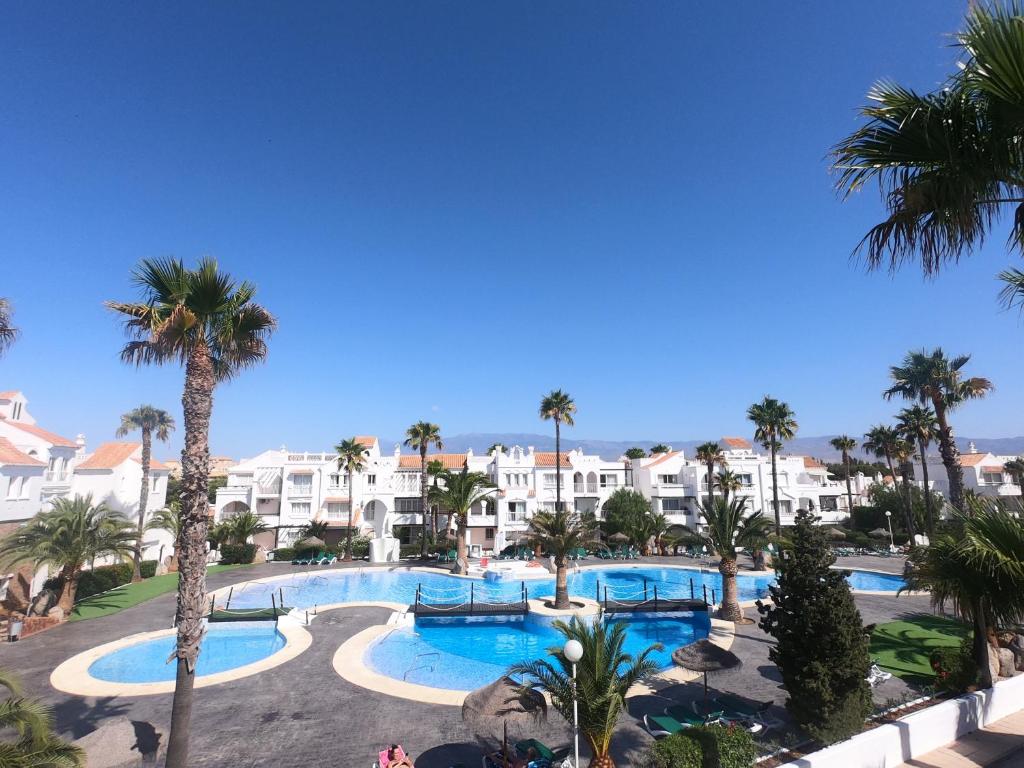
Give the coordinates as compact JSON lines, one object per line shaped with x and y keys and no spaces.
{"x":128,"y":595}
{"x":903,"y":647}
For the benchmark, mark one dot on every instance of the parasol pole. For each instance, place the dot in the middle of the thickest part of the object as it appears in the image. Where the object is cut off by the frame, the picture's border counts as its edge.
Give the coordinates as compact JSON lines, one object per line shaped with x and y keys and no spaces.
{"x":504,"y":742}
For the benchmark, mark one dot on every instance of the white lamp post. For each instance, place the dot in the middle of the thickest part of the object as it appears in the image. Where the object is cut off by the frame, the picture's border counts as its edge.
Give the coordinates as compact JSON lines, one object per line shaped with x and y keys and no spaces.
{"x":573,"y":652}
{"x":892,"y":540}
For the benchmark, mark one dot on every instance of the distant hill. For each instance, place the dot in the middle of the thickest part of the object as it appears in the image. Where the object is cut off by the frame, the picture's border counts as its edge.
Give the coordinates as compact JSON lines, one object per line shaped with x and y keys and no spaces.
{"x":612,"y":449}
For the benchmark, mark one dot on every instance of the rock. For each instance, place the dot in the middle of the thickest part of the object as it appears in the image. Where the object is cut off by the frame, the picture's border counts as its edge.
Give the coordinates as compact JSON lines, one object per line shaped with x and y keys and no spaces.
{"x":161,"y":569}
{"x":42,"y":602}
{"x":112,"y":745}
{"x":56,"y":613}
{"x":260,"y":555}
{"x":1006,"y":660}
{"x":993,"y":661}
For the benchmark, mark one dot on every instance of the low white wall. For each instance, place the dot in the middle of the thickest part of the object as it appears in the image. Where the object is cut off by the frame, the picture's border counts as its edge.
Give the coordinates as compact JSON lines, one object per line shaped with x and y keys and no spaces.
{"x":919,"y":733}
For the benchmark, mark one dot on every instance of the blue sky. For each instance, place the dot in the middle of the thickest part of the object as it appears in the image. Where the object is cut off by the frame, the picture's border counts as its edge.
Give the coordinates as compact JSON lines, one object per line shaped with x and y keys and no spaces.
{"x":453,"y":207}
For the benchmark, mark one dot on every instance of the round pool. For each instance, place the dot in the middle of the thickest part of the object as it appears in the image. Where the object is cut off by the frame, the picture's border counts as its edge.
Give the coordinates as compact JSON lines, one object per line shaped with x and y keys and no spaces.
{"x":466,"y":653}
{"x":224,"y":647}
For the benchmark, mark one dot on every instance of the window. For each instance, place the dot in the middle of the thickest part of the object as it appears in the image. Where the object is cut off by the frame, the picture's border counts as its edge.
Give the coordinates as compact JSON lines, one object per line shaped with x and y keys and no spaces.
{"x":489,"y":534}
{"x":992,"y":478}
{"x":154,"y":479}
{"x":302,"y":485}
{"x":516,"y":511}
{"x":829,"y":503}
{"x":337,"y":480}
{"x":668,"y":479}
{"x":370,"y":511}
{"x":609,"y":481}
{"x":409,"y":505}
{"x":371,"y":481}
{"x":300,"y":509}
{"x":746,"y":479}
{"x":672,"y":506}
{"x":337,"y":511}
{"x":14,"y":487}
{"x":549,"y":479}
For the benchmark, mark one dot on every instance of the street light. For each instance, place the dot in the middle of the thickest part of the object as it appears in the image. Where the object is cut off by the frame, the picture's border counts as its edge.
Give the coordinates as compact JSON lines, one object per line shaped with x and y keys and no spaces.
{"x":573,"y":652}
{"x":892,"y":541}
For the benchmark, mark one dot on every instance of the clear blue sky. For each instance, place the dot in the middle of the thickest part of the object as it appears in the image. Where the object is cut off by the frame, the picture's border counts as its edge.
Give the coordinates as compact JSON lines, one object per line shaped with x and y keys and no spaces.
{"x":453,"y":207}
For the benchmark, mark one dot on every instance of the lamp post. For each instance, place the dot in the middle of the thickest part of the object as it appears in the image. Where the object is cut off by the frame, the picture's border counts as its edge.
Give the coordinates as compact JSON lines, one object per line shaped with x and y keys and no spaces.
{"x":573,"y":652}
{"x":892,"y":540}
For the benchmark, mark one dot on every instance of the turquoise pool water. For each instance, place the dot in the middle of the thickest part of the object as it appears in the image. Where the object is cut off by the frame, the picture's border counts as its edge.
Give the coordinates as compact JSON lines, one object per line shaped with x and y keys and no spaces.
{"x":466,"y":653}
{"x":224,"y":647}
{"x":875,"y":582}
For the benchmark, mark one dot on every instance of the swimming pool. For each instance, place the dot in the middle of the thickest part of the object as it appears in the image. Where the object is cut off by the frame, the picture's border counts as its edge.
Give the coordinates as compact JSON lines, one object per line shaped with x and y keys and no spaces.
{"x":872,"y":581}
{"x":466,"y":653}
{"x":224,"y":647}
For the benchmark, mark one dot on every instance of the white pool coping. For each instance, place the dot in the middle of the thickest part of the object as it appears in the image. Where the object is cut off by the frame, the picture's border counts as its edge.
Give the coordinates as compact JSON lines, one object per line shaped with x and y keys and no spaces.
{"x":73,"y":676}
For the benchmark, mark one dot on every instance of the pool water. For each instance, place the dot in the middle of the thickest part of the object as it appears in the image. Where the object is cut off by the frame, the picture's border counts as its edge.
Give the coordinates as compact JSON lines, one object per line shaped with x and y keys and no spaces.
{"x":224,"y":647}
{"x":875,"y":582}
{"x":466,"y":653}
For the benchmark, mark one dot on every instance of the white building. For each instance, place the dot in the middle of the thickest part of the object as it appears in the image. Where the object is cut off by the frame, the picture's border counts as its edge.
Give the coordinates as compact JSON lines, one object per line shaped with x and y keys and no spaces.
{"x":984,"y":473}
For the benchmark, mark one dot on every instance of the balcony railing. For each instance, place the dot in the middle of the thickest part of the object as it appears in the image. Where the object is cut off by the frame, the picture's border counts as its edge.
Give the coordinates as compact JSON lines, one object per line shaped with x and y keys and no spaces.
{"x":268,"y":489}
{"x":315,"y":458}
{"x":55,"y":476}
{"x":585,"y":487}
{"x":300,"y":490}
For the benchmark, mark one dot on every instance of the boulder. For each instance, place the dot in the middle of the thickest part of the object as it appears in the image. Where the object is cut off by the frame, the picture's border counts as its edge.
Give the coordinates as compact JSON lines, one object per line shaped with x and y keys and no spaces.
{"x":1006,"y":662}
{"x":993,"y":661}
{"x":56,"y":613}
{"x":113,"y":744}
{"x":260,"y":556}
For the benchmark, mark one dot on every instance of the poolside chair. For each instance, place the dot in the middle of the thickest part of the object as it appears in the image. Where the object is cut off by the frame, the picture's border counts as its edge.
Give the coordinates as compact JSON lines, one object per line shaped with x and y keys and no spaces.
{"x":545,"y":755}
{"x":327,"y":559}
{"x":733,"y":709}
{"x":660,"y":726}
{"x":382,"y":756}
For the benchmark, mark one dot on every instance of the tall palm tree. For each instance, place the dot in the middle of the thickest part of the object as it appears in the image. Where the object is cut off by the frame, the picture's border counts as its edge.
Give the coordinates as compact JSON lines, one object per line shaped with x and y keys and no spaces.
{"x":844,"y":444}
{"x":202,"y":319}
{"x":774,"y":422}
{"x":710,"y":454}
{"x":8,"y":332}
{"x":69,"y":536}
{"x":243,"y":525}
{"x":557,"y":406}
{"x":947,"y":163}
{"x":933,"y":379}
{"x":457,"y":492}
{"x":726,"y":527}
{"x":561,"y":533}
{"x":885,"y":441}
{"x":150,"y":421}
{"x":420,"y":436}
{"x":979,"y":570}
{"x":604,"y":675}
{"x":435,"y":468}
{"x":31,"y":722}
{"x":918,"y":425}
{"x":351,"y":460}
{"x":729,"y":482}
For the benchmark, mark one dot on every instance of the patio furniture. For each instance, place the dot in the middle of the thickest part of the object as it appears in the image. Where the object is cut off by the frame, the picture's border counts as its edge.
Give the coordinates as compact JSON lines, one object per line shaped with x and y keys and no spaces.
{"x":704,"y":656}
{"x":660,"y":726}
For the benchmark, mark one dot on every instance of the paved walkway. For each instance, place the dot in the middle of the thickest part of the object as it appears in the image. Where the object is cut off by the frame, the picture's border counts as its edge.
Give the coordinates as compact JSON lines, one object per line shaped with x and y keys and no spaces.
{"x":1000,"y":745}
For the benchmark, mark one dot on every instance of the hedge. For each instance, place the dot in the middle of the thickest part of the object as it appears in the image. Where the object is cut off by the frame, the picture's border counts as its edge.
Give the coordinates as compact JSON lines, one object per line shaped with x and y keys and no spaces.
{"x":232,"y":554}
{"x":707,"y":745}
{"x":103,"y":578}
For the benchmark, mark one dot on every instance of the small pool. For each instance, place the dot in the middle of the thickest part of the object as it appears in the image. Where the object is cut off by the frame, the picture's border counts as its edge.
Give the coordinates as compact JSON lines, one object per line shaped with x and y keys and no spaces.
{"x":466,"y":653}
{"x":224,"y":647}
{"x":871,"y":581}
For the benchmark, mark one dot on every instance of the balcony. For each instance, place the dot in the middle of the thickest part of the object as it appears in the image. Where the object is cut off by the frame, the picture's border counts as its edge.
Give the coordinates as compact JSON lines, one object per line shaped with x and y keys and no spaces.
{"x":56,"y":477}
{"x":268,"y":489}
{"x":585,"y":487}
{"x":300,"y":490}
{"x":311,"y":458}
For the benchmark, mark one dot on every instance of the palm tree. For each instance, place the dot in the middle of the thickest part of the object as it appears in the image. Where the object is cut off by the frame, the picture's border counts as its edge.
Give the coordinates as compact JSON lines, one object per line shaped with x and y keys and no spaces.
{"x":495,"y":447}
{"x":979,"y":570}
{"x":420,"y":436}
{"x":150,"y":421}
{"x":635,"y":453}
{"x":69,"y":536}
{"x":168,"y":519}
{"x":8,"y":333}
{"x":561,"y":533}
{"x":32,"y":721}
{"x":774,"y":422}
{"x":457,"y":492}
{"x":1016,"y":469}
{"x":243,"y":525}
{"x":202,"y":319}
{"x":729,"y":482}
{"x":351,"y":459}
{"x":933,"y":379}
{"x":435,"y":468}
{"x":947,"y":163}
{"x":726,"y":528}
{"x":557,"y":406}
{"x":918,"y":425}
{"x":603,"y":676}
{"x":884,"y":441}
{"x":710,"y":454}
{"x":844,"y":444}
{"x":313,"y":529}
{"x":659,"y":448}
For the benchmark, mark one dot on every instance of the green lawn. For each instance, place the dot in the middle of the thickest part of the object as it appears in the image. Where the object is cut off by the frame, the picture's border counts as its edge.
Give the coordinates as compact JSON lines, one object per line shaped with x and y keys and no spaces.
{"x":902,"y":647}
{"x":126,"y":596}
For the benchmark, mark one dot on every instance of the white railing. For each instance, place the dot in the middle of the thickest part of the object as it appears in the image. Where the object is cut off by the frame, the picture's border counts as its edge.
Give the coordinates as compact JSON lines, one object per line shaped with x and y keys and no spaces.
{"x":300,"y":490}
{"x":55,"y":476}
{"x":315,"y":458}
{"x":269,"y":489}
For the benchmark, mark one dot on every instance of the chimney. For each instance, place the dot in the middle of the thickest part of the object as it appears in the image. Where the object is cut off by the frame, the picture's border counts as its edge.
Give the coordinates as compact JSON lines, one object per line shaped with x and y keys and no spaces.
{"x":971,"y":447}
{"x":469,"y":453}
{"x":529,"y":449}
{"x":80,"y":443}
{"x":398,"y":450}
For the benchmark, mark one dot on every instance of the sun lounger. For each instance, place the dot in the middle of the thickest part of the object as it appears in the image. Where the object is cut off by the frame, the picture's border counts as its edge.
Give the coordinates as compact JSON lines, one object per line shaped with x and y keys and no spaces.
{"x":733,"y":709}
{"x":545,"y":755}
{"x":660,"y":726}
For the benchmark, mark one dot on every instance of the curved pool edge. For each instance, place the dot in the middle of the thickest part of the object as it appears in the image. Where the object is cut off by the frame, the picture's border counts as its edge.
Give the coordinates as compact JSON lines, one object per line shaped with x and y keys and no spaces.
{"x":72,"y":676}
{"x":349,"y":663}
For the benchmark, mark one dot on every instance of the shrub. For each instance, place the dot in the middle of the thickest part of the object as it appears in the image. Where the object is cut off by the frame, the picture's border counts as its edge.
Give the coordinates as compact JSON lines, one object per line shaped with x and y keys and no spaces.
{"x":709,"y":745}
{"x":233,"y":554}
{"x":103,"y":578}
{"x":674,"y":751}
{"x":955,"y":670}
{"x":360,"y":547}
{"x":284,"y":554}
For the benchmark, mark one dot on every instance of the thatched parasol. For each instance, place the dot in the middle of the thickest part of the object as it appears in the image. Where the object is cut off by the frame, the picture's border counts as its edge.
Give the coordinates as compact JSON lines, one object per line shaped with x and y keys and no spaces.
{"x":311,"y":541}
{"x":704,"y":656}
{"x":878,"y":533}
{"x":620,"y":536}
{"x":835,"y":533}
{"x":501,"y":703}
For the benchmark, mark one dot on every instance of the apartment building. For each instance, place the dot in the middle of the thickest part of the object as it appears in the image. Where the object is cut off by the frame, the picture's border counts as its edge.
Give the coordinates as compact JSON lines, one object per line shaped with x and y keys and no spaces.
{"x":984,"y":473}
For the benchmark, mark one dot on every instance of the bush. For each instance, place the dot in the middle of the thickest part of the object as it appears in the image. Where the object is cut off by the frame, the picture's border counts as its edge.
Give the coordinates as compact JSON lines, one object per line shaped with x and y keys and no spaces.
{"x":234,"y":554}
{"x":103,"y":578}
{"x":709,"y":745}
{"x":955,"y":670}
{"x":284,"y":554}
{"x":674,"y":751}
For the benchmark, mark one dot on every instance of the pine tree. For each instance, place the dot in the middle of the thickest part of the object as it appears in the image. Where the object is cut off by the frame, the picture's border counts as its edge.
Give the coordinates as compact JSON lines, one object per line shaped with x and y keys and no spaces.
{"x":821,"y":647}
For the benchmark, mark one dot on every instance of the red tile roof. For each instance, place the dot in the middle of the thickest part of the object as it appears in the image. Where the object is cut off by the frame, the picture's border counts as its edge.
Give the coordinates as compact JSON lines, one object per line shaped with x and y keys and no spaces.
{"x":109,"y":456}
{"x":367,"y":440}
{"x":662,"y":457}
{"x":972,"y":459}
{"x":810,"y":463}
{"x":547,"y":459}
{"x":12,"y":456}
{"x":737,"y":442}
{"x":9,"y":394}
{"x":153,"y":463}
{"x":39,"y":432}
{"x":448,"y":460}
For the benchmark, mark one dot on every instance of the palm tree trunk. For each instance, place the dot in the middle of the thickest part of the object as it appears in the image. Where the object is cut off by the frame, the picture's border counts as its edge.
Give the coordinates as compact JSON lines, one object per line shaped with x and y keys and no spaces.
{"x":929,"y":515}
{"x":561,"y":584}
{"x":423,"y":500}
{"x":461,"y":553}
{"x":849,"y":492}
{"x":908,"y":512}
{"x":979,"y":644}
{"x":950,"y":456}
{"x":68,"y":588}
{"x":600,"y":757}
{"x":351,"y":509}
{"x":147,"y":450}
{"x":197,"y":402}
{"x":775,"y":494}
{"x":711,"y":481}
{"x":558,"y":466}
{"x":730,"y":609}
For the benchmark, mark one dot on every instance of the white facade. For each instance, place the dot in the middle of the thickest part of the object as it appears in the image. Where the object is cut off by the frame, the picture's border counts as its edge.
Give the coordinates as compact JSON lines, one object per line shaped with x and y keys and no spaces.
{"x":984,"y":473}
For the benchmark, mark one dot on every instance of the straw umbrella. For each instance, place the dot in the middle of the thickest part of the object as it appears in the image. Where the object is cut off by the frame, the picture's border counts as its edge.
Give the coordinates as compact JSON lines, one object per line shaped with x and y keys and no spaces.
{"x":704,"y":656}
{"x":311,"y":541}
{"x":835,"y":533}
{"x":501,"y":703}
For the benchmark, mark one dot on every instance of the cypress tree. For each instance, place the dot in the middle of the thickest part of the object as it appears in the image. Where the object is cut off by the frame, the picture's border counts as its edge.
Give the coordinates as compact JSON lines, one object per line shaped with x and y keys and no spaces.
{"x":821,"y":647}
